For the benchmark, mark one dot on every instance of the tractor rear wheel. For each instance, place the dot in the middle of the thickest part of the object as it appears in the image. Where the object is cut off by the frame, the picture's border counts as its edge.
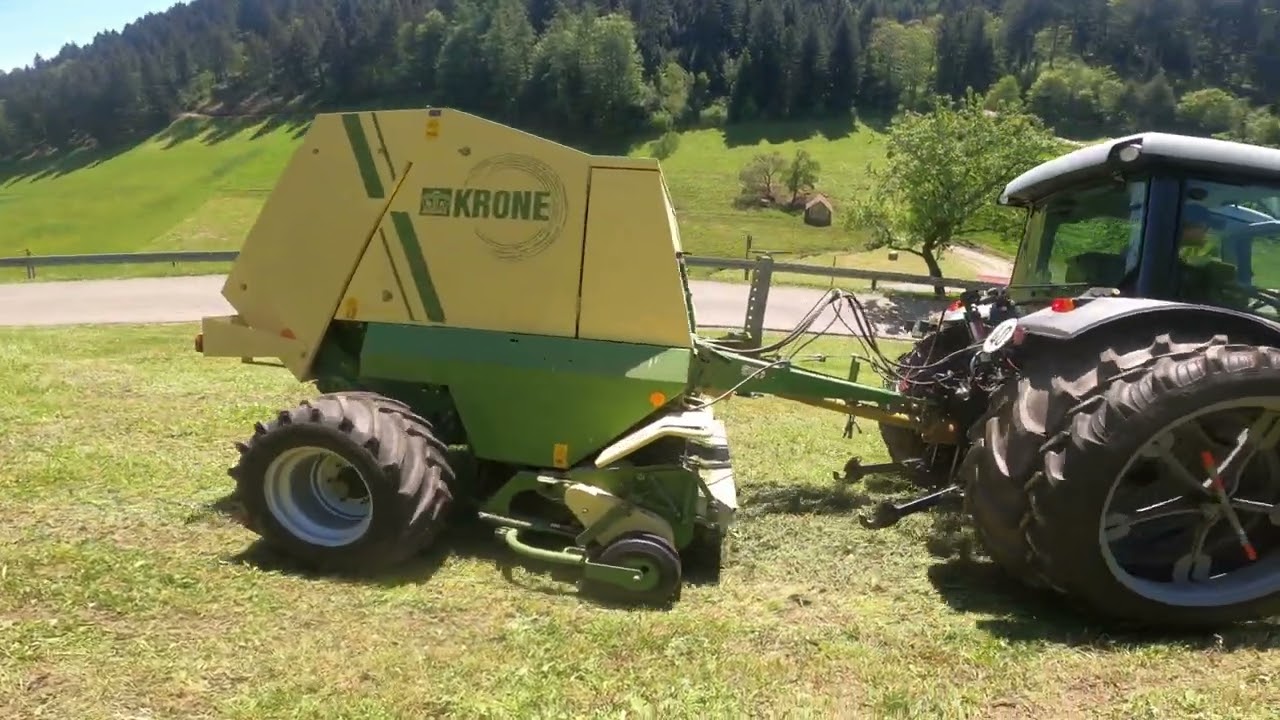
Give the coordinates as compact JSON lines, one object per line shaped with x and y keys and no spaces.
{"x":906,"y":444}
{"x":1089,"y":480}
{"x":348,"y":482}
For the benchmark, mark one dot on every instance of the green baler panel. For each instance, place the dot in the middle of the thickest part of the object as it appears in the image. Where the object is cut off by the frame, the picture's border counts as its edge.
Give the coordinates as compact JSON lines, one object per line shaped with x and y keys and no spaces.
{"x":531,"y":399}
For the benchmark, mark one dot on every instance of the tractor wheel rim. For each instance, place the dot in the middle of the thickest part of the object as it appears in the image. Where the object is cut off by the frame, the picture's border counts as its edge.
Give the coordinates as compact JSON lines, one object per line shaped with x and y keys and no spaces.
{"x":1200,"y":561}
{"x":319,"y":497}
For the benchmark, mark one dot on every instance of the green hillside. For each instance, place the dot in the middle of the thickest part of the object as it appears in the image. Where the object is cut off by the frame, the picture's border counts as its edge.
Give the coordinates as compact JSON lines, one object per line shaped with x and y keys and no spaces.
{"x":199,"y":185}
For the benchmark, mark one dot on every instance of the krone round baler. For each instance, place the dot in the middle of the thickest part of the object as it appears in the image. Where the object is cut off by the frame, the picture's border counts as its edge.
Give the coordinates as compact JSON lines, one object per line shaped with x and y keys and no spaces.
{"x":495,"y":321}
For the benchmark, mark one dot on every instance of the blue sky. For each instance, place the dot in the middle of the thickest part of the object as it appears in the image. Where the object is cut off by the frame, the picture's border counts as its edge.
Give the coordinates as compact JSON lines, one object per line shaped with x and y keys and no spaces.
{"x":28,"y":27}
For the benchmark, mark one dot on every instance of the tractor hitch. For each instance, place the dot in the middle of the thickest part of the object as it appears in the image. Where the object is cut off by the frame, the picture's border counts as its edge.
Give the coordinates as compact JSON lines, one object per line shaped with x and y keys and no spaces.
{"x":887,"y":513}
{"x":854,"y":470}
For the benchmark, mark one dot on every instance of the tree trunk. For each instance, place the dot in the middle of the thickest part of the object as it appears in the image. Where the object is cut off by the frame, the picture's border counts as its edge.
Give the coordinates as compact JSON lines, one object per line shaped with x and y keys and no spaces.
{"x":935,"y":270}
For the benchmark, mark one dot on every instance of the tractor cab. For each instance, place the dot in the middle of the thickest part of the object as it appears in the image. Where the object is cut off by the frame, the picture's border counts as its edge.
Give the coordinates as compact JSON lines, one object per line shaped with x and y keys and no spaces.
{"x":1153,"y":215}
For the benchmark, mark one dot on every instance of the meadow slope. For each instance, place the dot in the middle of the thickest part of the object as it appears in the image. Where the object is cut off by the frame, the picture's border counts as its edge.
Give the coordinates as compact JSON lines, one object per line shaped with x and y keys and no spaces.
{"x":200,"y":184}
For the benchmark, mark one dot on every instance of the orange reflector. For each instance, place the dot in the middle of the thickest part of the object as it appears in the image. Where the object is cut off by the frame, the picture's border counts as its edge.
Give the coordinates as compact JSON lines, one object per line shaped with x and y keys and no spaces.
{"x":1062,"y":305}
{"x":287,"y":333}
{"x":955,"y":306}
{"x":657,"y":399}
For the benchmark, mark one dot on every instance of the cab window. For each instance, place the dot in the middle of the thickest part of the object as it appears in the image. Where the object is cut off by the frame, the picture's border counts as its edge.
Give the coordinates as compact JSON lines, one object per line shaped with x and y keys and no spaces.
{"x":1090,"y":236}
{"x":1229,"y":246}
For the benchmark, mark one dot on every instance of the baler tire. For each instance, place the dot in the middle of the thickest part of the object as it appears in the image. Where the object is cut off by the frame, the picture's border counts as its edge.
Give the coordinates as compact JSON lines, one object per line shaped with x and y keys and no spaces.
{"x":402,"y":408}
{"x":1007,"y":444}
{"x":406,"y":473}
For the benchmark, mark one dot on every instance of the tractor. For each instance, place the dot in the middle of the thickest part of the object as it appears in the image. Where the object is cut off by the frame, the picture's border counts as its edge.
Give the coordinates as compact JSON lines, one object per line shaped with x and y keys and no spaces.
{"x":1130,"y":459}
{"x":502,"y":327}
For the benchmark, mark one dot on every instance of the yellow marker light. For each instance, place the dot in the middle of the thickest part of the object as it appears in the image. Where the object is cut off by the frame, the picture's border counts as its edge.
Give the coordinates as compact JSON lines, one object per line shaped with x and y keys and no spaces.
{"x":560,"y":455}
{"x":657,"y":399}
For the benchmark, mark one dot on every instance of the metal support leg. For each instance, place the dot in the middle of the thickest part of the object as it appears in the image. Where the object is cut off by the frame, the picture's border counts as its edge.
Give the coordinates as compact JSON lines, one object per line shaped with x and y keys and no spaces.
{"x":757,"y":300}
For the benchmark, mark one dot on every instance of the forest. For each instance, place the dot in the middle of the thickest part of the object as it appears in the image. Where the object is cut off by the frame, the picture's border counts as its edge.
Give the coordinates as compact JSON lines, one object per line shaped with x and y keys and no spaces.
{"x":591,"y":69}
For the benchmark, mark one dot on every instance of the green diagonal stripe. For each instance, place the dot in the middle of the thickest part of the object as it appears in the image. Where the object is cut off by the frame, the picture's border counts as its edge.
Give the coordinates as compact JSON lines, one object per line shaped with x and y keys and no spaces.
{"x":418,"y":265}
{"x":364,"y":156}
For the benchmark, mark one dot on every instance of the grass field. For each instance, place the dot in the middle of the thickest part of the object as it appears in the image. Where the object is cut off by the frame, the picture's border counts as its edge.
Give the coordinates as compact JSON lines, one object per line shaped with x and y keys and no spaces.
{"x":123,"y":594}
{"x":200,"y":184}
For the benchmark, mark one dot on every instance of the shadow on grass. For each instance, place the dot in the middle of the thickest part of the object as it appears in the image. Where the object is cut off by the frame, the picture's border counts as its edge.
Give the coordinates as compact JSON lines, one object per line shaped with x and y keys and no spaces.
{"x":465,"y":537}
{"x":838,"y":498}
{"x":212,"y":130}
{"x":970,"y":583}
{"x":754,"y":133}
{"x":47,"y":167}
{"x":831,"y":127}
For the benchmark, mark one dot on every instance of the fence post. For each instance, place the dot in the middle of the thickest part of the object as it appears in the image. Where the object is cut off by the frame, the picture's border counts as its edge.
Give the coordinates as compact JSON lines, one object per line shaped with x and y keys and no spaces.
{"x":31,"y":267}
{"x":758,"y":299}
{"x":746,"y":272}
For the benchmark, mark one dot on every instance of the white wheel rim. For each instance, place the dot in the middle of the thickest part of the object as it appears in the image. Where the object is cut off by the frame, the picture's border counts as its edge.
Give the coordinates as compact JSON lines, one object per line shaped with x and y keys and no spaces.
{"x":1198,"y":583}
{"x":319,"y":497}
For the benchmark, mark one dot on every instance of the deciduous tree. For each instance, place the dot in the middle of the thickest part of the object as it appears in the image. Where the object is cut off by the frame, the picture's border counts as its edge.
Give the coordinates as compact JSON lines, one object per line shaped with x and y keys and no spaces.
{"x":944,"y":171}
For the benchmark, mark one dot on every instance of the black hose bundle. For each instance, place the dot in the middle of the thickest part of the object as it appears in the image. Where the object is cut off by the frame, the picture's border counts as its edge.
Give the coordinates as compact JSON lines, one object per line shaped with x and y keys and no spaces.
{"x":864,"y":333}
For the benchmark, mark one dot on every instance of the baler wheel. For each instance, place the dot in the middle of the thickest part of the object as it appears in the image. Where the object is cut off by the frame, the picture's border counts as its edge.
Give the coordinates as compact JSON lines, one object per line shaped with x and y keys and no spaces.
{"x":649,"y":553}
{"x":348,"y":482}
{"x":1089,"y":481}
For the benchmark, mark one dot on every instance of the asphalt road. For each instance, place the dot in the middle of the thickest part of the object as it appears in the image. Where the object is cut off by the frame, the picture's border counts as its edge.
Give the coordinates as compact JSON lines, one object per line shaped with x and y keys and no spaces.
{"x":187,"y":299}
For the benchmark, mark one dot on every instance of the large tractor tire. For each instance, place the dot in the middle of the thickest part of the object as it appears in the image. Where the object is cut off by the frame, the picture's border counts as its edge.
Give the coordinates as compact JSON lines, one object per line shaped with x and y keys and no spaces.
{"x":346,"y":482}
{"x":1087,"y":478}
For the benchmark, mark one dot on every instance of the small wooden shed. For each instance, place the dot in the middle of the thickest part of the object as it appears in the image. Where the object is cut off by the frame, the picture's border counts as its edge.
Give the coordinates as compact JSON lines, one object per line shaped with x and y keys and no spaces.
{"x":818,"y":211}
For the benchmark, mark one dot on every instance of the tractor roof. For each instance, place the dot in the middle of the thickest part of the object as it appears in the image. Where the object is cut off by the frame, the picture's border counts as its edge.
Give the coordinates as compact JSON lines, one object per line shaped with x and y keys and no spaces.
{"x":1102,"y":159}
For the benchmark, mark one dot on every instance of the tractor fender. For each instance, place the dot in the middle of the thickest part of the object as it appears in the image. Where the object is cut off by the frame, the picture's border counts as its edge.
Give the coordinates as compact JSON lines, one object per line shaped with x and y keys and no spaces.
{"x":1094,"y":314}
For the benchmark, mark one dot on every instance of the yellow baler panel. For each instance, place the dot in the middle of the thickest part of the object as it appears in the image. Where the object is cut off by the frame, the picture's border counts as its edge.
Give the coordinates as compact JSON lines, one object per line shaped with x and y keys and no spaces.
{"x":631,"y":289}
{"x":295,"y":264}
{"x":378,"y":293}
{"x":487,"y":229}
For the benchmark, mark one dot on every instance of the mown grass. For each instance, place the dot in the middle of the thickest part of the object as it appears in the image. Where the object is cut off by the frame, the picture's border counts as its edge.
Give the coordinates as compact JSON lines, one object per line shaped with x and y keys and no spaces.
{"x":124,"y":593}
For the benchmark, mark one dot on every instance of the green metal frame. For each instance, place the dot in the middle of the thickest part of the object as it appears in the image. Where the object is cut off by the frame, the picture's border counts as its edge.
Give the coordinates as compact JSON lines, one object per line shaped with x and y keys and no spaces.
{"x":484,"y":383}
{"x":719,"y":371}
{"x":669,"y":491}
